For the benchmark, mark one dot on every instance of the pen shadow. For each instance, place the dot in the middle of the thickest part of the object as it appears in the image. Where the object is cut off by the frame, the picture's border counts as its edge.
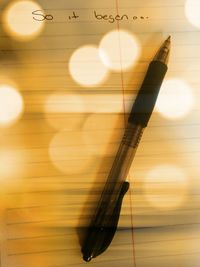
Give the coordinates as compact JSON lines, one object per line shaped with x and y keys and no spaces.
{"x":122,"y":120}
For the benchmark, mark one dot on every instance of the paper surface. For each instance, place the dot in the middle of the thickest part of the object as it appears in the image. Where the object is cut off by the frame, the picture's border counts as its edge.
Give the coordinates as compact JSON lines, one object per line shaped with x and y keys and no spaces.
{"x":55,"y":158}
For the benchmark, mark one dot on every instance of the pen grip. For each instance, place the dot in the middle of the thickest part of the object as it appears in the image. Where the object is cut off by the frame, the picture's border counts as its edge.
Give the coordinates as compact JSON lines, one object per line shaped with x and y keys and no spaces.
{"x":146,"y":98}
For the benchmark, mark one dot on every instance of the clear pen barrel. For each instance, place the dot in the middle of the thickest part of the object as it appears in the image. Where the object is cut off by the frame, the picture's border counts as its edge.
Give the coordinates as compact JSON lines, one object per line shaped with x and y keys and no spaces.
{"x":125,"y":154}
{"x":119,"y":170}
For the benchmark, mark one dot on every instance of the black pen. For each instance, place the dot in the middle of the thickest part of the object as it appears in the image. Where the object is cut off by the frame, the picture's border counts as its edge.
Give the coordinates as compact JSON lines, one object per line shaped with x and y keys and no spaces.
{"x":104,"y":223}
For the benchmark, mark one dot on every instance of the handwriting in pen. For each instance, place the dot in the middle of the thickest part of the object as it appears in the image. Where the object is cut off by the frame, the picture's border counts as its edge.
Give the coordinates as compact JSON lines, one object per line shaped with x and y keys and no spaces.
{"x":39,"y":15}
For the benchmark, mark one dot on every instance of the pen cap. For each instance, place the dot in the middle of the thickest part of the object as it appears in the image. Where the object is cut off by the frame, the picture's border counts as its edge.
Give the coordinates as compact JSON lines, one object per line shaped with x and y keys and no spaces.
{"x":146,"y":98}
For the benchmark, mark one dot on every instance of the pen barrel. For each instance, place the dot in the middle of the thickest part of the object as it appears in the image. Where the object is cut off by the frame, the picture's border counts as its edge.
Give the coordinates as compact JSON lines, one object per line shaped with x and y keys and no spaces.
{"x":105,"y":220}
{"x":148,"y":93}
{"x":121,"y":164}
{"x":120,"y":169}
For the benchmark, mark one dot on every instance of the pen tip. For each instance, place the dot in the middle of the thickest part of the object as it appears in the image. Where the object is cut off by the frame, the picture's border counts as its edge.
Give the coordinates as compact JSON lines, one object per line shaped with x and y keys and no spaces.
{"x":87,"y":258}
{"x":163,"y":53}
{"x":169,"y":38}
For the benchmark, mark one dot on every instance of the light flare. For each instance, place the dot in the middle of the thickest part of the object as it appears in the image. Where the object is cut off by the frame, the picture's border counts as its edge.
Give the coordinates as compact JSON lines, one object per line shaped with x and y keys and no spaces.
{"x":18,"y":20}
{"x":85,"y":66}
{"x":175,"y":99}
{"x":166,"y":187}
{"x":11,"y":105}
{"x":119,"y":50}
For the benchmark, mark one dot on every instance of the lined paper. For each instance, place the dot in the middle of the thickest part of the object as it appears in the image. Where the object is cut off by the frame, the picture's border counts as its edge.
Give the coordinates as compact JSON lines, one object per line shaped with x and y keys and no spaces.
{"x":54,"y":160}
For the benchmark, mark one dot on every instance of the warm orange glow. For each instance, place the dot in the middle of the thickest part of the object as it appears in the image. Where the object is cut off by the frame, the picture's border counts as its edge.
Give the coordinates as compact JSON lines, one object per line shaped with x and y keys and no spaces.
{"x":103,"y":133}
{"x":86,"y":103}
{"x":64,"y":109}
{"x":166,"y":187}
{"x":11,"y":105}
{"x":175,"y":99}
{"x":18,"y":20}
{"x":86,"y":67}
{"x":69,"y":152}
{"x":11,"y":167}
{"x":192,"y":11}
{"x":64,"y":103}
{"x":119,"y":50}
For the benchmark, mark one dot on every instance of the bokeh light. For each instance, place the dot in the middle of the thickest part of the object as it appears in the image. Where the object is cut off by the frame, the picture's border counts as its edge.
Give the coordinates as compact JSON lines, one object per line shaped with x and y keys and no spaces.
{"x":86,"y":103}
{"x":11,"y":105}
{"x":11,"y":166}
{"x":64,"y":103}
{"x":6,"y":161}
{"x":166,"y":187}
{"x":192,"y":11}
{"x":119,"y":50}
{"x":64,"y":109}
{"x":86,"y":66}
{"x":175,"y":99}
{"x":103,"y":103}
{"x":59,"y":121}
{"x":70,"y":154}
{"x":103,"y":133}
{"x":18,"y":20}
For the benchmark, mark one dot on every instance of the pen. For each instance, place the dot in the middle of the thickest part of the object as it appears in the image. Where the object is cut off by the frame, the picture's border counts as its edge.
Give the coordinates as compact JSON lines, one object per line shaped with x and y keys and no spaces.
{"x":105,"y":220}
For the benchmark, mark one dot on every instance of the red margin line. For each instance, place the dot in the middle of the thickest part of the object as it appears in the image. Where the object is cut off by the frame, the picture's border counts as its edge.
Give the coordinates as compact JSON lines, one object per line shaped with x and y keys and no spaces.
{"x":124,"y":110}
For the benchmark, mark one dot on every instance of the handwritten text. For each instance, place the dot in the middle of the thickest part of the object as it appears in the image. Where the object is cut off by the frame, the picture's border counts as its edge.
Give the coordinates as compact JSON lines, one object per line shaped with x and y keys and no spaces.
{"x":39,"y":15}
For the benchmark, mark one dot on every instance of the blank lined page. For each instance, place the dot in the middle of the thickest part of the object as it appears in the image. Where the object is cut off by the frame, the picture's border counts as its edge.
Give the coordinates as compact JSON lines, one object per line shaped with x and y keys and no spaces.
{"x":70,"y":72}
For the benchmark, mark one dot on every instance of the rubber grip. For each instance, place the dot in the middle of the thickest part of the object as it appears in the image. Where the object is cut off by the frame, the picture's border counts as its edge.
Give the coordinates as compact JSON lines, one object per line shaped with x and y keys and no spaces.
{"x":146,"y":98}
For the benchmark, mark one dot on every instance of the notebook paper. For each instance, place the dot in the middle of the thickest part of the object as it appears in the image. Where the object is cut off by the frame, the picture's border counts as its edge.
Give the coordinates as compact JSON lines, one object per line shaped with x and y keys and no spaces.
{"x":57,"y":152}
